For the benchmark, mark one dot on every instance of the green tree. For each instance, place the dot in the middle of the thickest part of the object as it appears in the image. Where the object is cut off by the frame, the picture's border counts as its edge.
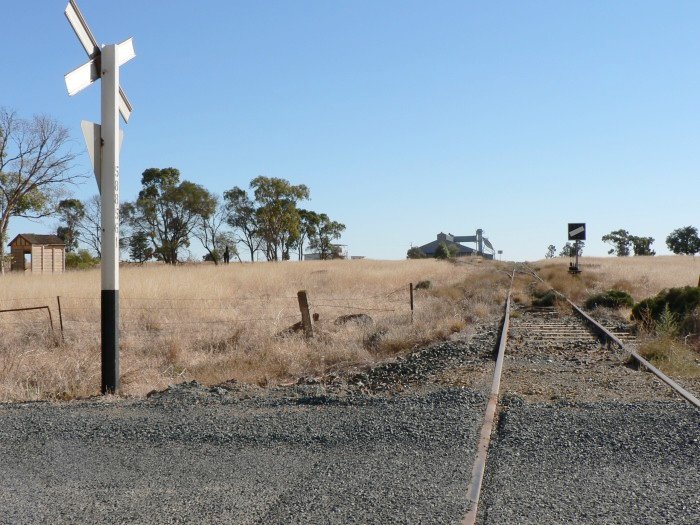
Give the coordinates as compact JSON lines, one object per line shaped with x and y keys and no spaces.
{"x":551,"y":251}
{"x":71,"y":213}
{"x":620,"y":242}
{"x":569,"y":250}
{"x":322,"y":238}
{"x":35,"y":167}
{"x":168,"y":210}
{"x":277,"y":214}
{"x":642,"y":245}
{"x":308,"y":228}
{"x":442,"y":251}
{"x":216,"y":256}
{"x":415,"y":253}
{"x":674,"y":306}
{"x":210,"y":233}
{"x":90,"y":225}
{"x":81,"y":260}
{"x":337,"y":252}
{"x":684,"y":241}
{"x":241,"y":216}
{"x":140,"y":249}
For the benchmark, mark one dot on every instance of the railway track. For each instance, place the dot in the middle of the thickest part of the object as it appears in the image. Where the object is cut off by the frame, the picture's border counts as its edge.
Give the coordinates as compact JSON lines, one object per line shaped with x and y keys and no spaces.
{"x":550,"y":354}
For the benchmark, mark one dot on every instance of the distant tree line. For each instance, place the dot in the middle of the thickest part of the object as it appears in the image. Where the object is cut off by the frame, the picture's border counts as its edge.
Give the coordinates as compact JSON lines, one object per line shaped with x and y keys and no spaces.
{"x":170,"y":213}
{"x":568,"y":250}
{"x":681,"y":241}
{"x":622,"y":243}
{"x":36,"y":167}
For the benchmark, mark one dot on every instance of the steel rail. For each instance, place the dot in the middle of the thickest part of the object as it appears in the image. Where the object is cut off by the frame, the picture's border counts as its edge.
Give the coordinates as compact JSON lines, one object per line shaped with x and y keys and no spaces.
{"x":643,"y":362}
{"x":477,"y":478}
{"x":638,"y":358}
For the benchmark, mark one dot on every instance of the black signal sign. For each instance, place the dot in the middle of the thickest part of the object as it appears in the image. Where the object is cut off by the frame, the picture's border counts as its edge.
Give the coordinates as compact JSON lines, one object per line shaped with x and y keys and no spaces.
{"x":577,"y":231}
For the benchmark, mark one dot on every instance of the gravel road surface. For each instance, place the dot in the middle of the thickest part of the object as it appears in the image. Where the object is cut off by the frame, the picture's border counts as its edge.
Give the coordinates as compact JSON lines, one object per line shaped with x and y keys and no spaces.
{"x":309,"y":454}
{"x":599,"y":463}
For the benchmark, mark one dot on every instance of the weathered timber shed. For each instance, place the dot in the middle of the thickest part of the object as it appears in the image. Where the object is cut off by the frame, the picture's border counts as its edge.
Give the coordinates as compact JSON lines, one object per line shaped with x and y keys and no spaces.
{"x":38,"y":253}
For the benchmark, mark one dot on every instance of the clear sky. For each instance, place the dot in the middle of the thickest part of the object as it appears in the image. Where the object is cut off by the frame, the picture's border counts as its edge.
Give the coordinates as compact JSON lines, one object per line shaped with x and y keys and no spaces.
{"x":405,"y":118}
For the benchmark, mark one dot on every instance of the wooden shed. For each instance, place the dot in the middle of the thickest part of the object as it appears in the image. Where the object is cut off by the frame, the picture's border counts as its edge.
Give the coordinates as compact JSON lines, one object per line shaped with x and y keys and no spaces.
{"x":38,"y":253}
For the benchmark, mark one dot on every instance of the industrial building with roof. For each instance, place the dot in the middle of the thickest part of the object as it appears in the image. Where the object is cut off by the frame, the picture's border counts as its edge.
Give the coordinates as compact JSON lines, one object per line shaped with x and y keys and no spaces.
{"x":454,"y":242}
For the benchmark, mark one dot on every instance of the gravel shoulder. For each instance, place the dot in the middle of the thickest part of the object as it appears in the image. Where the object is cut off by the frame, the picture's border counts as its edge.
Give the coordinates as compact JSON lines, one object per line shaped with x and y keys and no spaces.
{"x":584,"y":438}
{"x":389,"y":445}
{"x":594,"y":463}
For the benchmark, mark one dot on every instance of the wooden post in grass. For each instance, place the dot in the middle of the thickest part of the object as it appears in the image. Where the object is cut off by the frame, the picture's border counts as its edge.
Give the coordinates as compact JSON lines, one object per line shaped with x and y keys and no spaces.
{"x":305,"y":315}
{"x":60,"y":316}
{"x":410,"y":291}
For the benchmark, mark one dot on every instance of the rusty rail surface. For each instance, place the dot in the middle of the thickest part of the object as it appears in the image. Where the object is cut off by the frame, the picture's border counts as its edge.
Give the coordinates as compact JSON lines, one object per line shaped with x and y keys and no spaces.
{"x":479,"y":467}
{"x":642,"y":362}
{"x":482,"y":448}
{"x":638,"y":358}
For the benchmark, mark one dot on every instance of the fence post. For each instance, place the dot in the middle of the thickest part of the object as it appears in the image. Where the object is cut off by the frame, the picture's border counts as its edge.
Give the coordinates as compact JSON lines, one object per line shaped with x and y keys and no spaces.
{"x":50,"y":317}
{"x":60,"y":316}
{"x":410,"y":291}
{"x":305,"y":315}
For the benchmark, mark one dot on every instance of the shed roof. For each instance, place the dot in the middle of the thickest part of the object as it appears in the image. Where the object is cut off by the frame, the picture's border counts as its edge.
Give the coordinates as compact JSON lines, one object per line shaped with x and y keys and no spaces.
{"x":35,"y":238}
{"x":429,"y":249}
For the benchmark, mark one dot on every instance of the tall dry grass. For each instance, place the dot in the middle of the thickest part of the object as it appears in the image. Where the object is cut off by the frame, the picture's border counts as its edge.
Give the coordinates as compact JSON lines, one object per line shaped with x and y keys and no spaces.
{"x":641,"y":277}
{"x":218,"y":323}
{"x":672,"y":356}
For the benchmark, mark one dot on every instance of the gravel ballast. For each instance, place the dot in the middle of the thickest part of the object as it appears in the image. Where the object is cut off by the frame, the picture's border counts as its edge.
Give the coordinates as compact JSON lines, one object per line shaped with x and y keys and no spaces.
{"x":241,"y":455}
{"x":595,"y":463}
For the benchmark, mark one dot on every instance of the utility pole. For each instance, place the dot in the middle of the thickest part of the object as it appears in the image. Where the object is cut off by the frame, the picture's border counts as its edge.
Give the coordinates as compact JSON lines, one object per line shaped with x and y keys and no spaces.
{"x":104,"y":143}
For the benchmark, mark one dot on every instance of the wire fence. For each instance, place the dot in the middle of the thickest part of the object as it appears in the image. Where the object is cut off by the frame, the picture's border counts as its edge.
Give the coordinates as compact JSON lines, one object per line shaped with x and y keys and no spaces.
{"x":167,"y":315}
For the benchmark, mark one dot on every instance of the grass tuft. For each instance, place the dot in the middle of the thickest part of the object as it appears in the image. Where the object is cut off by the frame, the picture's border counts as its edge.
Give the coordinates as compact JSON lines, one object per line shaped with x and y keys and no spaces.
{"x":672,"y":356}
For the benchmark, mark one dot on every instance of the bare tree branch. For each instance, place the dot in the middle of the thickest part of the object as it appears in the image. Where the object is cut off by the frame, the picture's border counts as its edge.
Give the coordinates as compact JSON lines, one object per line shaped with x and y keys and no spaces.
{"x":35,"y":166}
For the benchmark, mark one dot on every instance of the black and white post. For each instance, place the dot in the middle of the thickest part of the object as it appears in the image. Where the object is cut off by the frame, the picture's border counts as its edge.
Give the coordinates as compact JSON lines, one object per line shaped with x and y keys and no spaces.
{"x":110,"y":219}
{"x":104,"y":143}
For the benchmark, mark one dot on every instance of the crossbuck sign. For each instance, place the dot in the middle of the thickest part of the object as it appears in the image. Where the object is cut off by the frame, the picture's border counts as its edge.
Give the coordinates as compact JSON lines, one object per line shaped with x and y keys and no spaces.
{"x":103,"y":143}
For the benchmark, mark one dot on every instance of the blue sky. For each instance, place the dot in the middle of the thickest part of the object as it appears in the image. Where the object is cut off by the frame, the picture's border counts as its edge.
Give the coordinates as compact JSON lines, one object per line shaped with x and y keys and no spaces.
{"x":404,"y":118}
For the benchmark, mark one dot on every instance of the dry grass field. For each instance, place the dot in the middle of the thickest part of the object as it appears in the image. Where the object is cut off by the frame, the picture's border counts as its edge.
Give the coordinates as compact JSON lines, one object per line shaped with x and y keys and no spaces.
{"x":214,"y":324}
{"x":641,"y":277}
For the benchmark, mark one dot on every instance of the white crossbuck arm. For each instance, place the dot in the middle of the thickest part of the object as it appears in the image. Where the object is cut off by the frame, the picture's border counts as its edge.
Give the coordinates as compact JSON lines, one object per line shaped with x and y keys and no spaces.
{"x":83,"y":76}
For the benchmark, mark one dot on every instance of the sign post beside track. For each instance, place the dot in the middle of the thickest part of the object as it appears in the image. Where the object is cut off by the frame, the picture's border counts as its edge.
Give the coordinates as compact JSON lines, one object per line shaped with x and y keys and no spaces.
{"x":577,"y":233}
{"x":103,"y":143}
